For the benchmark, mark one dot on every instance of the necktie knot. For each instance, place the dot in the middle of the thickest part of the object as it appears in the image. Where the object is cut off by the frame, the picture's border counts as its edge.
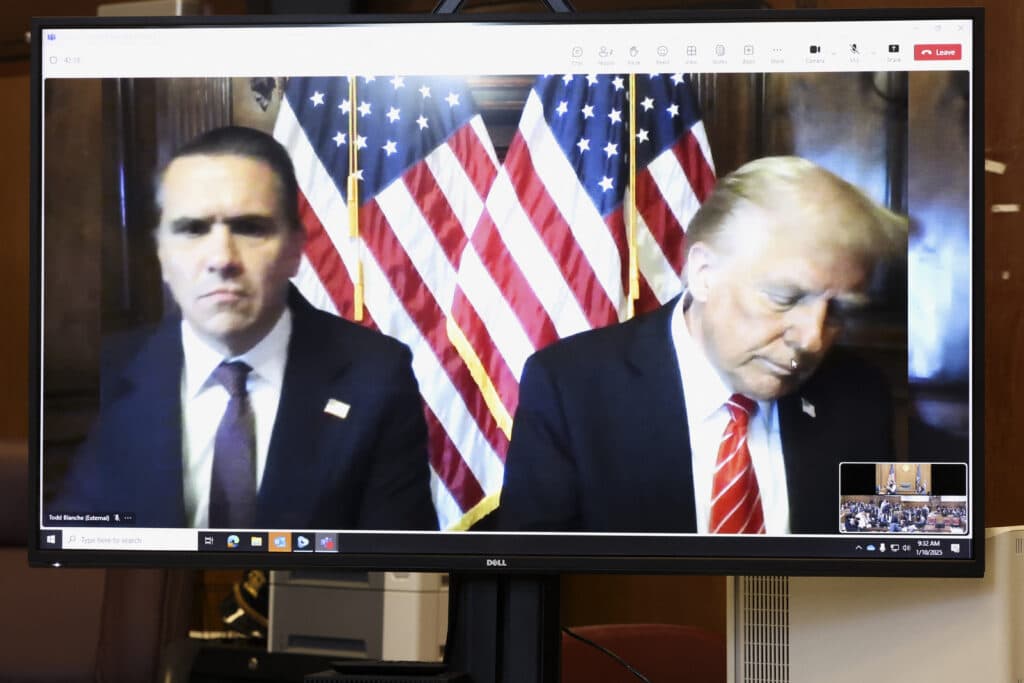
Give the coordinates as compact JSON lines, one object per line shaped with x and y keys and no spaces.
{"x":233,"y":376}
{"x":741,"y":408}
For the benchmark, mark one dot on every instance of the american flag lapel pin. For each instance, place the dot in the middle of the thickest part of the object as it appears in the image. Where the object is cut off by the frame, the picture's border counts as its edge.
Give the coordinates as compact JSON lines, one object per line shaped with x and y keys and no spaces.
{"x":807,"y":407}
{"x":338,"y":409}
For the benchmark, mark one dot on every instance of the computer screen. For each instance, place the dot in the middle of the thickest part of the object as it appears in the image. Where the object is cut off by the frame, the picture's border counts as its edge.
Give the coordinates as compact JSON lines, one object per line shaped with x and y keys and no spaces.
{"x":688,"y":292}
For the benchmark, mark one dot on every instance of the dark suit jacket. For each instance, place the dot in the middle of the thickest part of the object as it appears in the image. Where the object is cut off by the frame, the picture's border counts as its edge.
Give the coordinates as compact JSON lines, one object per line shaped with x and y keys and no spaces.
{"x":600,"y":440}
{"x":367,"y":471}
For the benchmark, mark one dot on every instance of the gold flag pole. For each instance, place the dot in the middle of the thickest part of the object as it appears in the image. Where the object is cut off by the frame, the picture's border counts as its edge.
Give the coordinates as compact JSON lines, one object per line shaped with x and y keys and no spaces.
{"x":353,"y":202}
{"x":634,"y":265}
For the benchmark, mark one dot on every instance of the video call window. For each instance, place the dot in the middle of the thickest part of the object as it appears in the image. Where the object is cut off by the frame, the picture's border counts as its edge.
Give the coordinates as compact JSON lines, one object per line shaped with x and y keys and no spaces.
{"x":469,"y":228}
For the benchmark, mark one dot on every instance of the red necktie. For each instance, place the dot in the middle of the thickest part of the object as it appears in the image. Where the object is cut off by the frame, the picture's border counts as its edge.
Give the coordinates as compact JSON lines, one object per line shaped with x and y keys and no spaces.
{"x":735,"y":496}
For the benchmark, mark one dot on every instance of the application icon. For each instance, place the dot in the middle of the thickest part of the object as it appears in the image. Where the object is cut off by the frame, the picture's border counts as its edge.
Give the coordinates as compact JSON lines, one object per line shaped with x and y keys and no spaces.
{"x":893,"y":47}
{"x":208,"y":540}
{"x":691,"y":50}
{"x":280,"y":542}
{"x":814,"y":49}
{"x":303,"y":543}
{"x":256,"y":541}
{"x":871,"y":548}
{"x":854,"y":50}
{"x":326,"y":543}
{"x":954,"y":547}
{"x":233,"y":541}
{"x":577,"y":52}
{"x":663,"y":50}
{"x":634,"y":52}
{"x":748,"y":50}
{"x":720,"y":50}
{"x":51,"y":539}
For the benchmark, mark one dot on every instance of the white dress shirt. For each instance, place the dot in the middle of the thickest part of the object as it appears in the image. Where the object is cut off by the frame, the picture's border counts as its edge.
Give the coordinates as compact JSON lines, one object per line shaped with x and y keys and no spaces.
{"x":204,"y":400}
{"x":707,"y":417}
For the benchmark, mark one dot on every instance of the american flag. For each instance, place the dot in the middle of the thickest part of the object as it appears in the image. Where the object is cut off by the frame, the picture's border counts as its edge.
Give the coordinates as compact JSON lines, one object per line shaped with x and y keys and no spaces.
{"x":475,"y":266}
{"x":425,"y":164}
{"x":549,"y":257}
{"x":891,"y":482}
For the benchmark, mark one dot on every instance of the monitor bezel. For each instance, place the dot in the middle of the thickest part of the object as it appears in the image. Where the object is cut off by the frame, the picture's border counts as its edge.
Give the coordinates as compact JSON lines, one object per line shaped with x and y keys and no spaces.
{"x":504,"y":562}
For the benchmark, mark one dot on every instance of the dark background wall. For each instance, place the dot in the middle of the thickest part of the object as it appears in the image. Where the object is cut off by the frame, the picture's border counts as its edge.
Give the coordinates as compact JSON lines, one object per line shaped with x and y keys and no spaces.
{"x":585,"y":598}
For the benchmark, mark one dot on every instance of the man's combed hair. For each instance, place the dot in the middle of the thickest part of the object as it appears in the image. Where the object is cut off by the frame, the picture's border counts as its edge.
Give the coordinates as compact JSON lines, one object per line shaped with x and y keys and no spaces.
{"x":801,"y":193}
{"x":252,"y":144}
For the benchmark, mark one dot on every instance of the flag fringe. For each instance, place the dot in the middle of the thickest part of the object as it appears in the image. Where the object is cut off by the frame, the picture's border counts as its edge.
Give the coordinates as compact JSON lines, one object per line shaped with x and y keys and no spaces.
{"x":476,"y":513}
{"x":480,"y":376}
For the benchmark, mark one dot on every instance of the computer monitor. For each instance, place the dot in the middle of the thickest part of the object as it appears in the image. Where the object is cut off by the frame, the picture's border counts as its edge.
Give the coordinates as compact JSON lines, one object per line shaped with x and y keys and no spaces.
{"x":561,"y":242}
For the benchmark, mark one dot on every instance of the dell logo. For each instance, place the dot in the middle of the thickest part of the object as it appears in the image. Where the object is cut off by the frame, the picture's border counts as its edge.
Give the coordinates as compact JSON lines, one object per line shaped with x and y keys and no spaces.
{"x":497,"y":563}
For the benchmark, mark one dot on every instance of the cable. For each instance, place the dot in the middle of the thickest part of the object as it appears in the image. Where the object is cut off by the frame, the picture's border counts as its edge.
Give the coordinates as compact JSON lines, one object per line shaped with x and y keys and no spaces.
{"x":629,"y":667}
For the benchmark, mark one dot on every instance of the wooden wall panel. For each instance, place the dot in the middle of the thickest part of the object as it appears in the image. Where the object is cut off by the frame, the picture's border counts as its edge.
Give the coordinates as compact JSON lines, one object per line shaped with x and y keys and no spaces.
{"x":14,"y":271}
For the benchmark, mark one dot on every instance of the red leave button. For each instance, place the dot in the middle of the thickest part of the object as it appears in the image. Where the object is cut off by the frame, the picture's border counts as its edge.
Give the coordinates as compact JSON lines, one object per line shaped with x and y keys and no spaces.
{"x":938,"y":51}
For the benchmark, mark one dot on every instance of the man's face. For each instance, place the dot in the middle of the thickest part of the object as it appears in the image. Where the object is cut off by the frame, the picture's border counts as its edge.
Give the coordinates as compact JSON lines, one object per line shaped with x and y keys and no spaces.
{"x":226,"y":252}
{"x":770,"y":297}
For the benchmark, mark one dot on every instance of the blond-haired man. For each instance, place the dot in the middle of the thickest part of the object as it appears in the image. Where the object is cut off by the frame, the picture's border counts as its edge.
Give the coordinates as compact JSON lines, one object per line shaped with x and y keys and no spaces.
{"x":727,"y":410}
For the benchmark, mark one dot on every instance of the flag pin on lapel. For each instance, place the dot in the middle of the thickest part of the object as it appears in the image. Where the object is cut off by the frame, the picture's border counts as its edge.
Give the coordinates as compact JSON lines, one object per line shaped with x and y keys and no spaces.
{"x":807,"y":407}
{"x":338,"y":409}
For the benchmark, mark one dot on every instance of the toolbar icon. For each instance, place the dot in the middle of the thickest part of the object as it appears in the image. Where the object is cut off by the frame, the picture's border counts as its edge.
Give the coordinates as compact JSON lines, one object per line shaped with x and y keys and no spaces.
{"x":280,"y":542}
{"x":326,"y":543}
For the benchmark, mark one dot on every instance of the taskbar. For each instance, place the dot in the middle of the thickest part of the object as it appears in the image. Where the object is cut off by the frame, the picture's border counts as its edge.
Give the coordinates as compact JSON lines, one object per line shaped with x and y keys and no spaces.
{"x":945,"y":546}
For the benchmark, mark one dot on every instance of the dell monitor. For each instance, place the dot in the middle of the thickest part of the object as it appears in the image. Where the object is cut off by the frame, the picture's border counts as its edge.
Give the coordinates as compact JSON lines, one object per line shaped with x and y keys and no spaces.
{"x":510,"y":296}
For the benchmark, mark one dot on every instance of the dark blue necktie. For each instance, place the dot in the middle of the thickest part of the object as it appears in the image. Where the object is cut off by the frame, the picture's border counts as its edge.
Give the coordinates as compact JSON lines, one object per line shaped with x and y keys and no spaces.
{"x":233,"y":485}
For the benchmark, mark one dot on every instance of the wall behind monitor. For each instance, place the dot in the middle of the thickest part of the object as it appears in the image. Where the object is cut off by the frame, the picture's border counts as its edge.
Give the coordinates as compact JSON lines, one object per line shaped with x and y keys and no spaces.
{"x":593,"y":599}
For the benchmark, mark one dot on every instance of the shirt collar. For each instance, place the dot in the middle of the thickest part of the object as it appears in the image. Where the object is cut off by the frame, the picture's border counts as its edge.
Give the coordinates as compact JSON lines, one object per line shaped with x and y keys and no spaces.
{"x":267,"y":359}
{"x":703,"y":387}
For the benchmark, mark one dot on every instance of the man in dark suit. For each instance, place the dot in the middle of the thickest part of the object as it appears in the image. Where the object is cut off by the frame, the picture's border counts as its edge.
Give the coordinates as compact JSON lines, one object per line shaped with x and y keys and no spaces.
{"x":727,"y":410}
{"x":251,"y":409}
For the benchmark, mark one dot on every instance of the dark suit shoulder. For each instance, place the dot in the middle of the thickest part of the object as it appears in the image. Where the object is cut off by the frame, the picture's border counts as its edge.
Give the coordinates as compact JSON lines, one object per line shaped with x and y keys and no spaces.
{"x":122,"y":353}
{"x":850,"y":371}
{"x":359,"y":336}
{"x":320,"y":331}
{"x":580,"y":351}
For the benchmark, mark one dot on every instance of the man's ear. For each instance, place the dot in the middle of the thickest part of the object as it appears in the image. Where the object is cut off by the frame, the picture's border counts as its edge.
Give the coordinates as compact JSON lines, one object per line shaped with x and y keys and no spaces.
{"x":296,"y":243}
{"x":700,"y":270}
{"x":158,"y":249}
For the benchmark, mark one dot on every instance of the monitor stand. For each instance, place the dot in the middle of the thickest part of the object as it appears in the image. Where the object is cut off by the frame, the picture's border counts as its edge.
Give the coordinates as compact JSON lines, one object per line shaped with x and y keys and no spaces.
{"x":500,"y":629}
